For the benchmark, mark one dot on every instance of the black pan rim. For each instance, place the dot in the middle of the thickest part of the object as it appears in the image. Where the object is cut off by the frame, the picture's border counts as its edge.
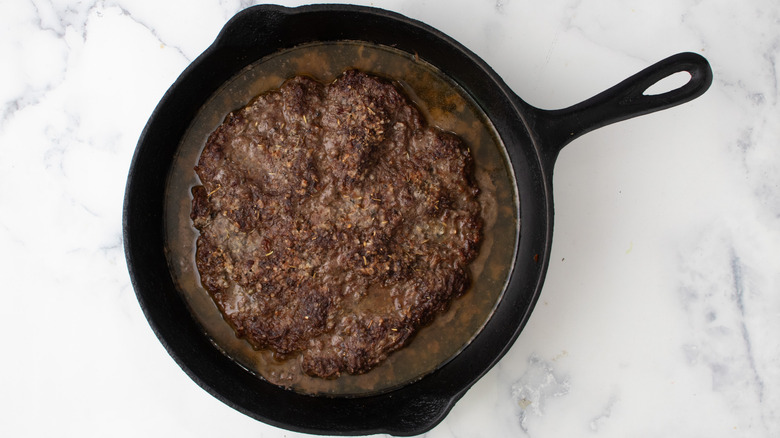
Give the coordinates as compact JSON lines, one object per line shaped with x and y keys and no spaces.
{"x":441,"y":402}
{"x":436,"y":405}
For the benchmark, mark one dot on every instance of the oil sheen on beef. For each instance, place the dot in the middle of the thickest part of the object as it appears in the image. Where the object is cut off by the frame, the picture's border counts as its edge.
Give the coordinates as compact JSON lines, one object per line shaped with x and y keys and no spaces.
{"x":334,"y":222}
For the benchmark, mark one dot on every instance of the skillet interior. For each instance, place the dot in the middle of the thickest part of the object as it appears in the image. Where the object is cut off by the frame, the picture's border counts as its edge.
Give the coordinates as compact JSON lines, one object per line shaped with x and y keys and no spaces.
{"x":446,"y":107}
{"x":251,"y":35}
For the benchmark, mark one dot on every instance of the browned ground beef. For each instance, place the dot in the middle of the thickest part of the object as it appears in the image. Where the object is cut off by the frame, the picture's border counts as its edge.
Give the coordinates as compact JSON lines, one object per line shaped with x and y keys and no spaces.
{"x":333,"y":221}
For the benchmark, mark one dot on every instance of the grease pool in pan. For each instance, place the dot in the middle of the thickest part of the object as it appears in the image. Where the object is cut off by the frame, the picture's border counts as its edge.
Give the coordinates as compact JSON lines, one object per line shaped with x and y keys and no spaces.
{"x":444,"y":105}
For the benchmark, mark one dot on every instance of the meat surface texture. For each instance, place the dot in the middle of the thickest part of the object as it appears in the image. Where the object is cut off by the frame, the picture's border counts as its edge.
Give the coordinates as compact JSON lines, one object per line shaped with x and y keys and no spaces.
{"x":334,"y":222}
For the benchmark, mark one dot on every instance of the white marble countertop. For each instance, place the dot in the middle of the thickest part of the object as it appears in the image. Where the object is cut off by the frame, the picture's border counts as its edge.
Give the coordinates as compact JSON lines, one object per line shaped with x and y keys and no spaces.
{"x":660,"y":314}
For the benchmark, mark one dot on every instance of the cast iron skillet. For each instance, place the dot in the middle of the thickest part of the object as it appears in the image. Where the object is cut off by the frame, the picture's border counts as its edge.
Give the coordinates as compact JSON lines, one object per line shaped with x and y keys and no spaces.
{"x":532,"y":137}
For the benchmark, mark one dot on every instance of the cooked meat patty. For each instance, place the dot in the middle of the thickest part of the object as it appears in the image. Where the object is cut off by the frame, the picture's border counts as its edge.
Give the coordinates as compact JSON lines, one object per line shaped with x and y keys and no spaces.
{"x":333,"y":221}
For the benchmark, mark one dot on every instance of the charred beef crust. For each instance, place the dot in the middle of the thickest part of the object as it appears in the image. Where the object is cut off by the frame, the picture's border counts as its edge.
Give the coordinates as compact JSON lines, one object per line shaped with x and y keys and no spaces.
{"x":333,"y":221}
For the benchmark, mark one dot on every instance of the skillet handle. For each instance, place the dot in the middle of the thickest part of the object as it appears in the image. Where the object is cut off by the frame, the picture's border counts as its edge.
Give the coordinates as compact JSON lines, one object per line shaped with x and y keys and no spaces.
{"x":623,"y":101}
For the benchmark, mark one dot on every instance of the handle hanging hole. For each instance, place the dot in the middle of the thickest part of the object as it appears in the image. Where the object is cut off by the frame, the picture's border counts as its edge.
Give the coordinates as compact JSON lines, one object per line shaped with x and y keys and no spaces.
{"x":669,"y":83}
